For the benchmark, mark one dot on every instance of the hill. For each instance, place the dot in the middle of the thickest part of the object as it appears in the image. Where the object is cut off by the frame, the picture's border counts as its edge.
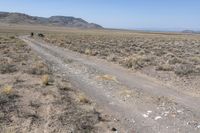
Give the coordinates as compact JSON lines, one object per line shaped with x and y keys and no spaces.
{"x":191,"y":31}
{"x":65,"y":21}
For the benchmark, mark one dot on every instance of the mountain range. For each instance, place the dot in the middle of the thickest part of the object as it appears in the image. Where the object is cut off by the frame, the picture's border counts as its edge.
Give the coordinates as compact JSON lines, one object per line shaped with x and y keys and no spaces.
{"x":64,"y":21}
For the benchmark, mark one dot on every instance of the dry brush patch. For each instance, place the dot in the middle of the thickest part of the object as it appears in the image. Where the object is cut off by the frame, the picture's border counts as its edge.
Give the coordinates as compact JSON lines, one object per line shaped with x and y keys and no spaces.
{"x":165,"y":52}
{"x":172,"y":58}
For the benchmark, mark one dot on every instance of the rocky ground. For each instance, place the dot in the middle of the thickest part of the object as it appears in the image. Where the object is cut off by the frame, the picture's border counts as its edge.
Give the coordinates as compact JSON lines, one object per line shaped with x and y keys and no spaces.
{"x":171,"y":58}
{"x":33,"y":99}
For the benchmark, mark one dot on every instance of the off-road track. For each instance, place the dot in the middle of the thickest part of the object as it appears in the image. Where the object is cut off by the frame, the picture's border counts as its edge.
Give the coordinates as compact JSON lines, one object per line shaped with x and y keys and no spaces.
{"x":141,"y":104}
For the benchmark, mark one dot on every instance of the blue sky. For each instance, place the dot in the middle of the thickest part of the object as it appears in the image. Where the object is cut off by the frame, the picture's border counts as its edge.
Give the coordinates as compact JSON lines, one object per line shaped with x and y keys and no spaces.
{"x":128,"y":14}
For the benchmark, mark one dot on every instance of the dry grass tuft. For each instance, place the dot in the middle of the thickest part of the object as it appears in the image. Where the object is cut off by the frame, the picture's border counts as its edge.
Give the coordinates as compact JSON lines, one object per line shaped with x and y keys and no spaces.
{"x":82,"y":98}
{"x":88,"y":52}
{"x":45,"y":79}
{"x":135,"y":61}
{"x":7,"y":90}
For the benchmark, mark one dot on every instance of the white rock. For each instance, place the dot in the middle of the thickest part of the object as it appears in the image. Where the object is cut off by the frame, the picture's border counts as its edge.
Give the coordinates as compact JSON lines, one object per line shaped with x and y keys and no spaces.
{"x":128,"y":96}
{"x":133,"y":121}
{"x":165,"y":113}
{"x":179,"y":111}
{"x":157,"y":117}
{"x":149,"y":111}
{"x":145,"y":115}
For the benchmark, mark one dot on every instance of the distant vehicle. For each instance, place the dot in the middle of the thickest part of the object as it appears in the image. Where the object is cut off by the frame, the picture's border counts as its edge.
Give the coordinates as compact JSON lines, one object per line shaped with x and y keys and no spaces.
{"x":40,"y":35}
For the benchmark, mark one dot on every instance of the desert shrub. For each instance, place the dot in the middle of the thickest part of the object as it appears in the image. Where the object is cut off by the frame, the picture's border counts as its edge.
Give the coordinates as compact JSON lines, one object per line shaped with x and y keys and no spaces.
{"x":7,"y":68}
{"x":136,"y":61}
{"x":159,"y":52}
{"x":141,"y":52}
{"x":7,"y":104}
{"x":94,"y":53}
{"x":112,"y":57}
{"x":82,"y":98}
{"x":12,"y":37}
{"x":64,"y":86}
{"x":41,"y":35}
{"x":175,"y":60}
{"x":164,"y":67}
{"x":184,"y":69}
{"x":195,"y":59}
{"x":38,"y":69}
{"x":198,"y":69}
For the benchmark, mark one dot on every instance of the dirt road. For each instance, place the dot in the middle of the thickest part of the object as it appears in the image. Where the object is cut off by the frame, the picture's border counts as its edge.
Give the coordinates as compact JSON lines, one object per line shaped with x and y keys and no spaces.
{"x":140,"y":103}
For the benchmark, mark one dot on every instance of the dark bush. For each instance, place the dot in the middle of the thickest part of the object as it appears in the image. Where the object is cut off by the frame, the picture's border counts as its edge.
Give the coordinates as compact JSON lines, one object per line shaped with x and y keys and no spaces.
{"x":184,"y":69}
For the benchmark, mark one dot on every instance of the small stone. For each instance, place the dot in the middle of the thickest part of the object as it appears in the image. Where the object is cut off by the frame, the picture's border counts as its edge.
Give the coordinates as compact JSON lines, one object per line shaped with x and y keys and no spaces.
{"x":128,"y":96}
{"x":133,"y":121}
{"x":145,"y":115}
{"x":165,"y":113}
{"x":198,"y":126}
{"x":158,"y":117}
{"x":179,"y":111}
{"x":149,"y":112}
